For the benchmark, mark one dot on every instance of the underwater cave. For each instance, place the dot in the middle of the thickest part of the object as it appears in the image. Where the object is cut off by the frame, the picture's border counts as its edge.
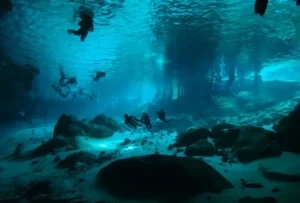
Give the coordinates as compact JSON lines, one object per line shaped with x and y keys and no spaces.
{"x":108,"y":101}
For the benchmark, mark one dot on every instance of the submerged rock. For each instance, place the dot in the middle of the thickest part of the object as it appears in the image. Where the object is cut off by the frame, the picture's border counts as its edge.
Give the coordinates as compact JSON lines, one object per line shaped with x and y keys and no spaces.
{"x":70,"y":126}
{"x":191,"y":136}
{"x":249,"y":199}
{"x":103,"y":120}
{"x":39,"y":187}
{"x":200,"y":148}
{"x":100,"y":131}
{"x":225,"y":135}
{"x":169,"y":177}
{"x":281,"y":177}
{"x":50,"y":146}
{"x":82,"y":157}
{"x":288,"y":130}
{"x":256,"y":143}
{"x":18,"y":150}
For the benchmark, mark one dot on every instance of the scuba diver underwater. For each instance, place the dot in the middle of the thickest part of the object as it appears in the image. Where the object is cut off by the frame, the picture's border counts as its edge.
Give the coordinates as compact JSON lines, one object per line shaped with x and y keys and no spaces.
{"x":132,"y":121}
{"x":86,"y":23}
{"x":146,"y":120}
{"x":161,"y":114}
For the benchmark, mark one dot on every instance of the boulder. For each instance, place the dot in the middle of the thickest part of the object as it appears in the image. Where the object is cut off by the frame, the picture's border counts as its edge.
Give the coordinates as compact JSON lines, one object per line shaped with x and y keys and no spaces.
{"x":255,"y":143}
{"x":223,"y":127}
{"x":225,"y":135}
{"x":50,"y":146}
{"x":103,"y":120}
{"x":200,"y":148}
{"x":288,"y":130}
{"x":159,"y":176}
{"x":70,"y":126}
{"x":78,"y":157}
{"x":191,"y":136}
{"x":100,"y":131}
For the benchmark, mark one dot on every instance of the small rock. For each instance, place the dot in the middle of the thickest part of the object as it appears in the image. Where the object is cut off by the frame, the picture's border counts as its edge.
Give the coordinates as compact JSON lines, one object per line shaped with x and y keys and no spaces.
{"x":251,"y":185}
{"x":19,"y":149}
{"x":179,"y":150}
{"x":224,"y":159}
{"x":84,"y":157}
{"x":34,"y":162}
{"x":126,"y":141}
{"x":170,"y":147}
{"x":57,"y":159}
{"x":276,"y":189}
{"x":200,"y":148}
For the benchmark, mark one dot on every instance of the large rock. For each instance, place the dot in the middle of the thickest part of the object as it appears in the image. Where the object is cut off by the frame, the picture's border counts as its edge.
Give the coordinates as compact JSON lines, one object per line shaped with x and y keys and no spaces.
{"x":288,"y":130}
{"x":100,"y":131}
{"x":70,"y":126}
{"x":78,"y":157}
{"x":200,"y":148}
{"x":103,"y":120}
{"x":191,"y":136}
{"x":51,"y":146}
{"x":225,"y":135}
{"x":166,"y":177}
{"x":255,"y":143}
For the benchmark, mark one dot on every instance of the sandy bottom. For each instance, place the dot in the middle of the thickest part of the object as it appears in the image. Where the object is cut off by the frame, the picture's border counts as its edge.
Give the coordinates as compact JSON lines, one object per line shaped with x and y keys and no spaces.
{"x":14,"y":171}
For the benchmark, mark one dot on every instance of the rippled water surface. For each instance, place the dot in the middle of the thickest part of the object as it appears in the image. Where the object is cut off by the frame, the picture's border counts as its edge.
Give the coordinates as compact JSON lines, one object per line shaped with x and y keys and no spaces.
{"x":130,"y":35}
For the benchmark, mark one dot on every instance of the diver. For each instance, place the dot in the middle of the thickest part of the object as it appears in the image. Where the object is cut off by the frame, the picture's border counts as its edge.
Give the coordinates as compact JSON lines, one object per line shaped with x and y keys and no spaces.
{"x":161,"y":114}
{"x":62,"y":77}
{"x":131,"y":121}
{"x":261,"y":7}
{"x":99,"y":75}
{"x":146,"y":120}
{"x":86,"y":24}
{"x":71,"y":81}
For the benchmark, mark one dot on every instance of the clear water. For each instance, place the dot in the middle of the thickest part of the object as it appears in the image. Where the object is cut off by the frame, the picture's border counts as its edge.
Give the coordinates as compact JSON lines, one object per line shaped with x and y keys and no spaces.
{"x":205,"y":62}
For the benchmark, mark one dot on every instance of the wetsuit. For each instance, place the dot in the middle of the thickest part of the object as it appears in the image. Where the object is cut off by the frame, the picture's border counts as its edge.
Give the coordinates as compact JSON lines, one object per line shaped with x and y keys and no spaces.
{"x":86,"y":24}
{"x":132,"y":121}
{"x":146,"y":120}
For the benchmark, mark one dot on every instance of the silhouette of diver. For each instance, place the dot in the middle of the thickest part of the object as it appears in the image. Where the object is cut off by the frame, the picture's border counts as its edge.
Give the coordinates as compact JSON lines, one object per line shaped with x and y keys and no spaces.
{"x":64,"y":81}
{"x":146,"y":120}
{"x":86,"y":24}
{"x":99,"y":75}
{"x":161,"y":115}
{"x":131,"y":121}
